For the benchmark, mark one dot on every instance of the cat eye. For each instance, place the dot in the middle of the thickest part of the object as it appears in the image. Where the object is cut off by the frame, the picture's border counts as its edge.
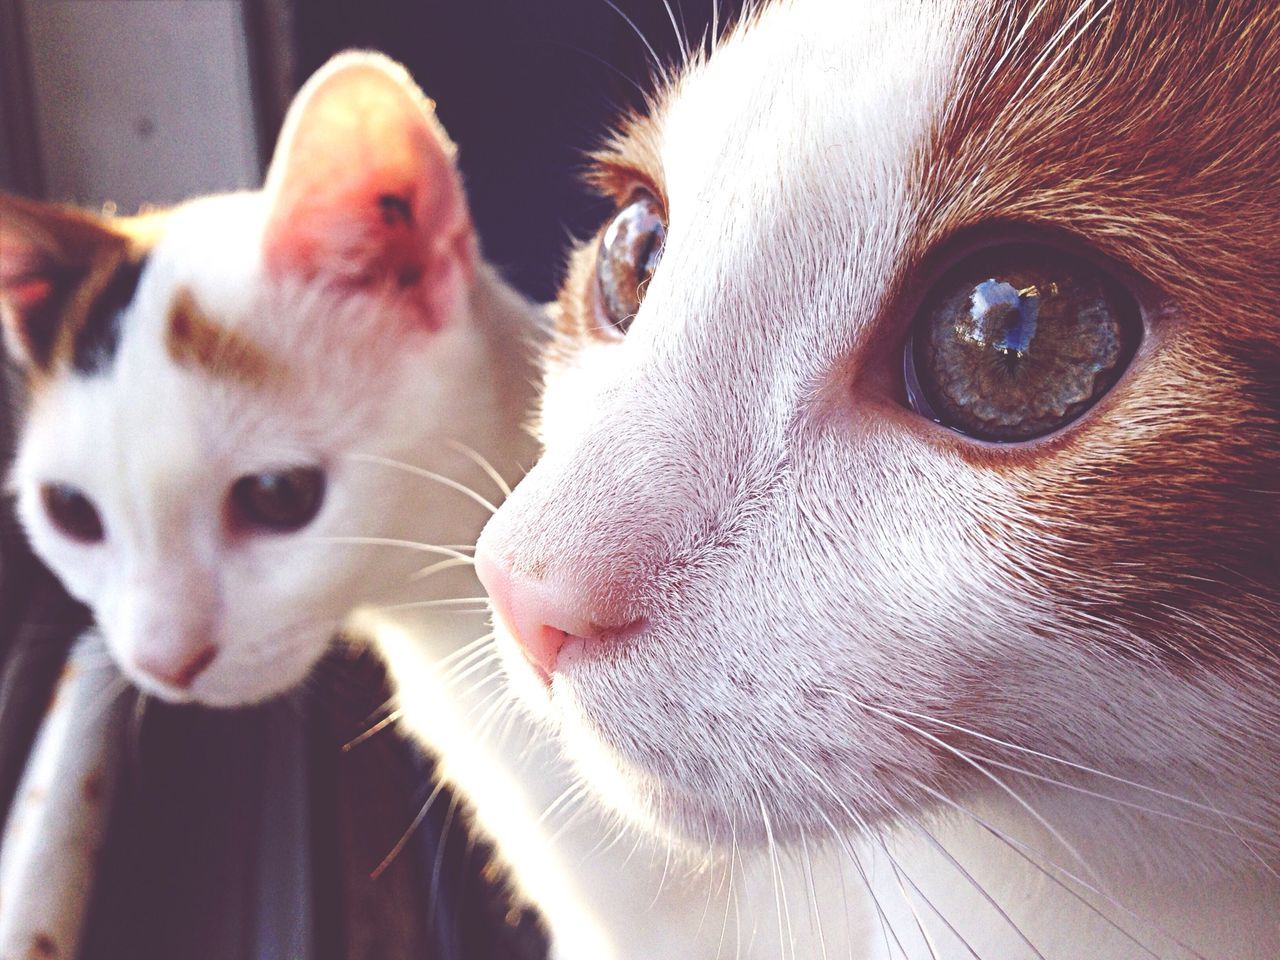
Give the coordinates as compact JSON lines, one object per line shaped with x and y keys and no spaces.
{"x":1015,"y":342}
{"x":72,"y":513}
{"x":278,"y":501}
{"x":629,"y":253}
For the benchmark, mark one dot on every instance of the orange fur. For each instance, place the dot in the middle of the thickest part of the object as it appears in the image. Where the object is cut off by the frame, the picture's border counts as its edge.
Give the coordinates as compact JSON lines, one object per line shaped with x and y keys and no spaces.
{"x":193,"y":340}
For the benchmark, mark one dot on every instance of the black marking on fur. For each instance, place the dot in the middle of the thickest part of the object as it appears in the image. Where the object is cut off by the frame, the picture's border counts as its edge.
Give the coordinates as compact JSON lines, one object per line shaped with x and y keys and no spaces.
{"x":98,"y":340}
{"x":395,"y":209}
{"x":40,"y":326}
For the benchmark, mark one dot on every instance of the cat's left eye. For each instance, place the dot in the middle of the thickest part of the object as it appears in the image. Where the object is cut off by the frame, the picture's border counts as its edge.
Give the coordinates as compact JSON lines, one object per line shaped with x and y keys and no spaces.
{"x":277,"y":501}
{"x":629,"y":253}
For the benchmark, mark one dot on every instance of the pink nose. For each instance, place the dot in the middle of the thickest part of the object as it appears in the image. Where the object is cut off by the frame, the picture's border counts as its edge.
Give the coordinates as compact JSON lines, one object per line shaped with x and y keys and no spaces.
{"x":179,"y":670}
{"x":541,"y":615}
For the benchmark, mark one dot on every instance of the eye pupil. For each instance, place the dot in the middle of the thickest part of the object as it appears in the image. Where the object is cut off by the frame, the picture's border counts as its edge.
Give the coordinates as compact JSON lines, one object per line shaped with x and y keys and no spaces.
{"x":72,"y":513}
{"x":277,"y":501}
{"x":1017,"y":342}
{"x":629,"y":254}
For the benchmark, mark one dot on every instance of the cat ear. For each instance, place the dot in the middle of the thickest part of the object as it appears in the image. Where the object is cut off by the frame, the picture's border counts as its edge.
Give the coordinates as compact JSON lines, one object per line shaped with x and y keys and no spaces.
{"x":364,"y":192}
{"x":47,"y":253}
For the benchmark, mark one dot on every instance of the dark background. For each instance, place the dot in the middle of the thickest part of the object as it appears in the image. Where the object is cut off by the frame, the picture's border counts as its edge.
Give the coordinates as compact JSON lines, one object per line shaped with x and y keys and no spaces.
{"x":526,"y":88}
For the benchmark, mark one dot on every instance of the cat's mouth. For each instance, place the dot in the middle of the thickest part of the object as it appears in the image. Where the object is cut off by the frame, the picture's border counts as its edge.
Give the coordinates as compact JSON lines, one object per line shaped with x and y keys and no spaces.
{"x":235,"y":674}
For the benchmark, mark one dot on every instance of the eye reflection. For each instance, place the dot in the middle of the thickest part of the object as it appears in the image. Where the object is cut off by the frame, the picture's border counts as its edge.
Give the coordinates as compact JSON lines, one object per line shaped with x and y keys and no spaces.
{"x":629,"y":254}
{"x":1017,"y":342}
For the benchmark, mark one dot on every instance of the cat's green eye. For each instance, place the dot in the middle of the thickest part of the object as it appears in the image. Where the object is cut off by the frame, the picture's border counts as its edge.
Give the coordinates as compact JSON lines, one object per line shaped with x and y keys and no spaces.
{"x":1016,"y":342}
{"x":72,"y":513}
{"x":277,"y":501}
{"x":629,"y":253}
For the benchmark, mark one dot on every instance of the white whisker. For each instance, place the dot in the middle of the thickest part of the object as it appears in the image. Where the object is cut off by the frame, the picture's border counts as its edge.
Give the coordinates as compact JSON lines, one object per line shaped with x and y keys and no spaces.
{"x":482,"y":462}
{"x":440,"y":478}
{"x":404,"y":544}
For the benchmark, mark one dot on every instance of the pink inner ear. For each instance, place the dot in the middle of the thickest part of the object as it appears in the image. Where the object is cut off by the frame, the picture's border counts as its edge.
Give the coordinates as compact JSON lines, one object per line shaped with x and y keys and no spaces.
{"x":364,"y":192}
{"x":24,"y":273}
{"x":27,"y":294}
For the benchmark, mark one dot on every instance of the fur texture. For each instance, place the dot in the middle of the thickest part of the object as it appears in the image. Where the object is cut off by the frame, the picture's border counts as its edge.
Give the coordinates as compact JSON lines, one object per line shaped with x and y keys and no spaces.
{"x":1036,"y":682}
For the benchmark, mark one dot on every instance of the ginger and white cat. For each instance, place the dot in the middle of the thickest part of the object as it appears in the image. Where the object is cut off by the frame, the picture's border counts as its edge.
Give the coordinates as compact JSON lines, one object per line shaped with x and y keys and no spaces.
{"x":910,"y":502}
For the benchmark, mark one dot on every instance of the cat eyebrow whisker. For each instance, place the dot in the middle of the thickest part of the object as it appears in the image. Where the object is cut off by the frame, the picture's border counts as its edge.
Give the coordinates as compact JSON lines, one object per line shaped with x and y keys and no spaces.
{"x":681,"y":40}
{"x":417,"y":471}
{"x":657,"y":61}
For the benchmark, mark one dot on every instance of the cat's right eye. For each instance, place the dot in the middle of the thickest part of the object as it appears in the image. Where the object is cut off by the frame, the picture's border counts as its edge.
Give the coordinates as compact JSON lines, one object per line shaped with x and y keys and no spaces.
{"x":629,"y":253}
{"x":1018,"y":341}
{"x":277,"y":501}
{"x":72,"y":513}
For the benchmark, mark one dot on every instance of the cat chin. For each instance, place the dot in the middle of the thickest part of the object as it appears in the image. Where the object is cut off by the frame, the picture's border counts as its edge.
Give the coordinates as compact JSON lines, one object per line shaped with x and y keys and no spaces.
{"x":698,"y":796}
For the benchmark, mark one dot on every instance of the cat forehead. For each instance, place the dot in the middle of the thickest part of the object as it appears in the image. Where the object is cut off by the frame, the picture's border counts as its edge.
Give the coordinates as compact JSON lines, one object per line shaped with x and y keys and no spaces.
{"x":789,"y":162}
{"x":810,"y":85}
{"x":185,"y":291}
{"x":821,"y":129}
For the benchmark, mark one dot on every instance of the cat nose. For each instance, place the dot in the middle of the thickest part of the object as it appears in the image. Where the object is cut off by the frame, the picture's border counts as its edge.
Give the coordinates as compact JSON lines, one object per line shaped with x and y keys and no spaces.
{"x":176,"y":668}
{"x":541,"y":614}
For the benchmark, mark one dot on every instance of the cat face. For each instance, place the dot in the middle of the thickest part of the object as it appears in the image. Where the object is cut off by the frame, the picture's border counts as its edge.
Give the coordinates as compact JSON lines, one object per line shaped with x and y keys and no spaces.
{"x":205,"y":382}
{"x":949,"y":419}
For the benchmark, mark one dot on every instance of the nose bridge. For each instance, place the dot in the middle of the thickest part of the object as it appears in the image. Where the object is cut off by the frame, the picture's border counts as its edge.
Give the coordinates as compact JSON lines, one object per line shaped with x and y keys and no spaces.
{"x":649,"y":475}
{"x":175,"y":592}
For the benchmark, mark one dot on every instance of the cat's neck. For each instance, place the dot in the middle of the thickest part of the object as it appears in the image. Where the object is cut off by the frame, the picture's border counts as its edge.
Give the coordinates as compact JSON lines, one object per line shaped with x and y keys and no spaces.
{"x":1010,"y":888}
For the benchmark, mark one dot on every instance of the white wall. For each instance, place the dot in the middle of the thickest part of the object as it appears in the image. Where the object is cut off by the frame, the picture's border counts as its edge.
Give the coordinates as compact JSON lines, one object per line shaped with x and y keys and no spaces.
{"x":141,"y":101}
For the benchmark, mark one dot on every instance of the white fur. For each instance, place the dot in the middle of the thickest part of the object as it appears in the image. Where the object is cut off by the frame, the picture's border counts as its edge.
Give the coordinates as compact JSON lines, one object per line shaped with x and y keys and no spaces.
{"x":157,"y":447}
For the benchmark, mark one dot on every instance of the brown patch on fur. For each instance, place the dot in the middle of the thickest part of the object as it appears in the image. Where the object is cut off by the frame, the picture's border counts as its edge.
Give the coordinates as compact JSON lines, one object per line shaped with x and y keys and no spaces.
{"x":66,"y":262}
{"x":193,"y":340}
{"x":1152,"y":133}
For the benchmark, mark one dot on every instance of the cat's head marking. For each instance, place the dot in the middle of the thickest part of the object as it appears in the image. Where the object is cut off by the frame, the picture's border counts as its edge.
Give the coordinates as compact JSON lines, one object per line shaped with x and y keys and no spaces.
{"x":200,"y":379}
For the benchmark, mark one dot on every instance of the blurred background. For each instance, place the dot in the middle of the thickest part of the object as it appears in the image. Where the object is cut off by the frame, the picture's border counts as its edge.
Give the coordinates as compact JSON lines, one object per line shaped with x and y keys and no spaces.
{"x":255,"y":834}
{"x":131,"y":102}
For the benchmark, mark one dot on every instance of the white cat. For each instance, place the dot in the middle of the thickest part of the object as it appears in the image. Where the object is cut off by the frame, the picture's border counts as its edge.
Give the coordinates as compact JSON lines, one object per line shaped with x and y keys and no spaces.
{"x":217,"y":392}
{"x":253,"y":414}
{"x":909,"y":503}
